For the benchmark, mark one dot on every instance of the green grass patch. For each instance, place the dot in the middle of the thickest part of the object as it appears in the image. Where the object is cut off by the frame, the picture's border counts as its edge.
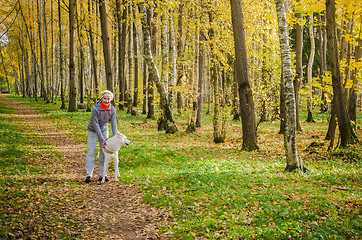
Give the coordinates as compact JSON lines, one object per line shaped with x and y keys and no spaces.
{"x":31,"y":207}
{"x":218,"y":191}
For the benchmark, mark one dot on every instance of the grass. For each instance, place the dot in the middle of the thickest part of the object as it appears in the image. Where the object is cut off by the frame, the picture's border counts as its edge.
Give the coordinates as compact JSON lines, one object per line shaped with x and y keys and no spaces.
{"x":218,"y":191}
{"x":31,"y":207}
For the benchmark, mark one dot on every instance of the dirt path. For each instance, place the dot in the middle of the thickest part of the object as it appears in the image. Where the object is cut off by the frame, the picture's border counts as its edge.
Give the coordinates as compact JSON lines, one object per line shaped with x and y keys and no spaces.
{"x":115,"y":209}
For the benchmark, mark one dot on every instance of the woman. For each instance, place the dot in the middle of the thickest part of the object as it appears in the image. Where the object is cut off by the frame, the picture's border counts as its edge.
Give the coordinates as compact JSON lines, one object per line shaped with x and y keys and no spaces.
{"x":102,"y":113}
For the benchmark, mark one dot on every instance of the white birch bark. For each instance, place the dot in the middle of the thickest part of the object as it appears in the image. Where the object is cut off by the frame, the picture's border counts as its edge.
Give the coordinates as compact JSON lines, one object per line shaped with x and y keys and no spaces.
{"x":170,"y":123}
{"x":310,"y":68}
{"x":172,"y":62}
{"x":164,"y":50}
{"x":293,"y":159}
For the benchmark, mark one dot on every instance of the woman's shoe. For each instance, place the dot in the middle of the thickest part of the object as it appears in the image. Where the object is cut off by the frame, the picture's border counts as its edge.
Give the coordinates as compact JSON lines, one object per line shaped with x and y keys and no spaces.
{"x":106,"y":179}
{"x":88,"y":179}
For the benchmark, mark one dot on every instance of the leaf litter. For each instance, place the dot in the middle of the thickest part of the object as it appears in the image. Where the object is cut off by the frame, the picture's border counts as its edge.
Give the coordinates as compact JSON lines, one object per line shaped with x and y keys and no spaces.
{"x":58,"y":204}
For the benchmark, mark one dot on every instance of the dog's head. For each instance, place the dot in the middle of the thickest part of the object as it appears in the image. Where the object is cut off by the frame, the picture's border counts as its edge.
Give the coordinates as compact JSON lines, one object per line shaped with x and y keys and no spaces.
{"x":123,"y":139}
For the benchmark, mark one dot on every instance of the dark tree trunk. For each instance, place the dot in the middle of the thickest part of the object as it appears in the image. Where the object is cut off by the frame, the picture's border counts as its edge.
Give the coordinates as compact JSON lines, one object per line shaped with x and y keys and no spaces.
{"x":347,"y":133}
{"x":242,"y":76}
{"x":136,"y":70}
{"x":80,"y":64}
{"x":47,"y":84}
{"x":106,"y":48}
{"x":332,"y":122}
{"x":61,"y":72}
{"x":122,"y":34}
{"x":150,"y":87}
{"x":72,"y":86}
{"x":235,"y":102}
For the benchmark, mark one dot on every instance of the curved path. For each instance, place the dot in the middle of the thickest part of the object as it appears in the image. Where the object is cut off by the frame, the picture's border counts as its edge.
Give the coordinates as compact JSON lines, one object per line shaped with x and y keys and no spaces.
{"x":115,"y":210}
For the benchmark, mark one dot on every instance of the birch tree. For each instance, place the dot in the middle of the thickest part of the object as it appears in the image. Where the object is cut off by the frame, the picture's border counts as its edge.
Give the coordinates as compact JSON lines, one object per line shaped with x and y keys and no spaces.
{"x":172,"y":61}
{"x":166,"y":109}
{"x":298,"y":64}
{"x":309,"y":70}
{"x":294,"y":160}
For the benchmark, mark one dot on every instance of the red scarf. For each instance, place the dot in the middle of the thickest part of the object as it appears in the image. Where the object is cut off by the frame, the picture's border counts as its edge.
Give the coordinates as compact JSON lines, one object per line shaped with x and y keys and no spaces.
{"x":104,"y":107}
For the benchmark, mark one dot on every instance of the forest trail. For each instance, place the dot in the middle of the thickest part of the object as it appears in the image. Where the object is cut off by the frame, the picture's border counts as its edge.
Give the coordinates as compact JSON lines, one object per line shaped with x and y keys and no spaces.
{"x":112,"y":210}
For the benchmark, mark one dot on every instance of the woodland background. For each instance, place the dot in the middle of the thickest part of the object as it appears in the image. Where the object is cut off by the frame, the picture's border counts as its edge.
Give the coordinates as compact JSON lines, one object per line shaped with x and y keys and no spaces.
{"x":76,"y":49}
{"x":173,"y":67}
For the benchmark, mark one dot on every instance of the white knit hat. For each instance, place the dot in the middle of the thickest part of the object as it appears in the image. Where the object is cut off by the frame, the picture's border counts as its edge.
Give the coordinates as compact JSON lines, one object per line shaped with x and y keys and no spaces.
{"x":107,"y":93}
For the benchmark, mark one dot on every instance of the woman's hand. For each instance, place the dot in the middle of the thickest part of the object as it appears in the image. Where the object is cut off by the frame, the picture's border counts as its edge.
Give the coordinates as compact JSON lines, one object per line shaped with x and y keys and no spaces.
{"x":104,"y":144}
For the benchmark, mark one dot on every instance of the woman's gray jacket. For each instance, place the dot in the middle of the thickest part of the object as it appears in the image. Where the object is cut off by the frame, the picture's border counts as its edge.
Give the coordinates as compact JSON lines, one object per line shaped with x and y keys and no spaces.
{"x":100,"y":118}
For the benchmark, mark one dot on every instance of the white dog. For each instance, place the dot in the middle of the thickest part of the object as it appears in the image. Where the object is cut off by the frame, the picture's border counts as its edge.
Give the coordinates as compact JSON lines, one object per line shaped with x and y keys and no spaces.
{"x":110,"y":151}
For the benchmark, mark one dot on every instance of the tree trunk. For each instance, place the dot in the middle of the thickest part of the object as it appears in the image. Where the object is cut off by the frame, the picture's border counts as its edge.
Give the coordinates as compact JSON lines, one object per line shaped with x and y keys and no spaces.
{"x":235,"y":103}
{"x":294,"y":161}
{"x":25,"y":63}
{"x":347,"y":133}
{"x":32,"y":49}
{"x":242,"y":76}
{"x":145,"y":89}
{"x":323,"y":68}
{"x":122,"y":34}
{"x":332,"y":122}
{"x":309,"y":71}
{"x":61,"y":76}
{"x":52,"y":64}
{"x":136,"y":70}
{"x":80,"y":63}
{"x":352,"y":101}
{"x":166,"y":110}
{"x":164,"y":51}
{"x":219,"y":131}
{"x":92,"y":51}
{"x":106,"y":48}
{"x":150,"y":88}
{"x":72,"y":85}
{"x":201,"y":80}
{"x":46,"y":58}
{"x":43,"y":93}
{"x":27,"y":74}
{"x":130,"y":64}
{"x":34,"y":77}
{"x":6,"y":72}
{"x":16,"y":76}
{"x":172,"y":63}
{"x":298,"y":66}
{"x":179,"y":56}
